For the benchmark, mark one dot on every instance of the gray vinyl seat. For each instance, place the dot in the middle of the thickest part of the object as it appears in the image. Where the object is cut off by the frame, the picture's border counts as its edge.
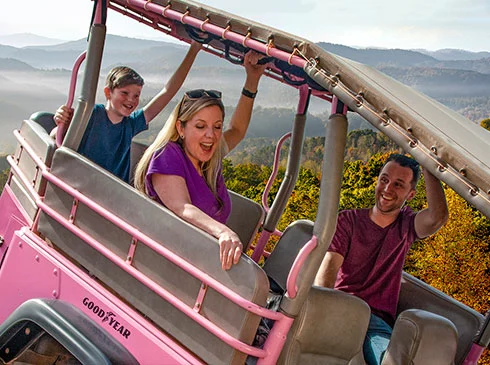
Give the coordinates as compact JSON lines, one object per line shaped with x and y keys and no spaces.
{"x":37,"y":137}
{"x":331,"y":325}
{"x":198,"y":248}
{"x":245,"y":218}
{"x":415,"y":294}
{"x":44,"y":119}
{"x":420,"y":337}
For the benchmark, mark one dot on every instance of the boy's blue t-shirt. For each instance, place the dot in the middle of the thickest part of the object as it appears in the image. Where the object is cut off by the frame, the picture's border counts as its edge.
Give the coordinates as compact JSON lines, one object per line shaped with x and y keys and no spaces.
{"x":107,"y":144}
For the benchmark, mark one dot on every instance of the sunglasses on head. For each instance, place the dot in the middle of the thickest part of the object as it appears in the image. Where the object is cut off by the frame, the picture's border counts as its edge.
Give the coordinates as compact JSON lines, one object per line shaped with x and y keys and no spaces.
{"x":199,"y":93}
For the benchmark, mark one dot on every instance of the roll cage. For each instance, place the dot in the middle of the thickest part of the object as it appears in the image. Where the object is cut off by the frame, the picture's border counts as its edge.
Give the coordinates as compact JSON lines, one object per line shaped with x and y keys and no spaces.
{"x":68,"y":219}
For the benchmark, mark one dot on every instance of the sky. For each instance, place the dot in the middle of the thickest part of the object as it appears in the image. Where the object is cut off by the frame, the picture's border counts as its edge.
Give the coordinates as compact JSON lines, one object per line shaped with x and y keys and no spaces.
{"x":414,"y":24}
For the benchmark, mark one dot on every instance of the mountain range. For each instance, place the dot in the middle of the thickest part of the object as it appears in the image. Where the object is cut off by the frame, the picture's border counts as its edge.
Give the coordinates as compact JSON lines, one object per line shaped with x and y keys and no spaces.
{"x":36,"y":77}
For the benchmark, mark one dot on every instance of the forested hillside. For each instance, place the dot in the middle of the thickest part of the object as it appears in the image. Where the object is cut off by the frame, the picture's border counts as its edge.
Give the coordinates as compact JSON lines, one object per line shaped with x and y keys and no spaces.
{"x":37,"y":79}
{"x":362,"y":144}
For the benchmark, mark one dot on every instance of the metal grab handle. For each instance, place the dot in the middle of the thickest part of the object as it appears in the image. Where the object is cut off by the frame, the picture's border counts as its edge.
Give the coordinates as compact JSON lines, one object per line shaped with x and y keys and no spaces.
{"x":291,"y":287}
{"x":274,"y":170}
{"x":61,"y":131}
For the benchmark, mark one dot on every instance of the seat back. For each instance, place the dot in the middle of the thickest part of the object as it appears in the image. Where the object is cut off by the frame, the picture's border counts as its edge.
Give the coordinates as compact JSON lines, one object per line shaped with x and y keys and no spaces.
{"x":329,"y":329}
{"x":43,"y":146}
{"x":198,"y":248}
{"x":44,"y":119}
{"x":138,"y":148}
{"x":420,"y":337}
{"x":245,"y":218}
{"x":279,"y":263}
{"x":416,"y":294}
{"x":331,"y":325}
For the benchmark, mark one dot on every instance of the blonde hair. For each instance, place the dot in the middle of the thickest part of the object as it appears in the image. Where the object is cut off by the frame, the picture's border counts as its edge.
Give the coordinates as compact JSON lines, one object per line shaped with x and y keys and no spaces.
{"x":184,"y":111}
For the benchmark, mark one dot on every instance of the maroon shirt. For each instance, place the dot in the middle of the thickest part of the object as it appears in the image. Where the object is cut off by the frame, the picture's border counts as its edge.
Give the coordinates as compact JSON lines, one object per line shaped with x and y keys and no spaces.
{"x":373,"y":258}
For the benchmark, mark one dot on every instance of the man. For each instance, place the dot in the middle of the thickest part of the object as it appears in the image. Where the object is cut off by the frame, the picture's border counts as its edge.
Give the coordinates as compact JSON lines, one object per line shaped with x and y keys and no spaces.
{"x":368,"y":250}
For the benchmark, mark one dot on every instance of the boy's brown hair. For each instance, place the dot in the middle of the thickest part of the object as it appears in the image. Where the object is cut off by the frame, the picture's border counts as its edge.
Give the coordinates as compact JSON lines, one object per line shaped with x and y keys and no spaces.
{"x":121,"y":76}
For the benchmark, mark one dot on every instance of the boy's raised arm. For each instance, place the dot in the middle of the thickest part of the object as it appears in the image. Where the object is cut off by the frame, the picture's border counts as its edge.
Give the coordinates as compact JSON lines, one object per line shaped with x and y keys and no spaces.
{"x":160,"y":101}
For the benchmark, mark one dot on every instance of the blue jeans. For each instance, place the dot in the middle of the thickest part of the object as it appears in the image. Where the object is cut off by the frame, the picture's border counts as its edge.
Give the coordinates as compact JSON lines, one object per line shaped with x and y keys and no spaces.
{"x":376,"y":341}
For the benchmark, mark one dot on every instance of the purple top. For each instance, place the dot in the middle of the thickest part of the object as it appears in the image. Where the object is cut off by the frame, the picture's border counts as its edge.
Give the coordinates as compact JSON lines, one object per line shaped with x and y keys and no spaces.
{"x":172,"y":160}
{"x":373,"y":258}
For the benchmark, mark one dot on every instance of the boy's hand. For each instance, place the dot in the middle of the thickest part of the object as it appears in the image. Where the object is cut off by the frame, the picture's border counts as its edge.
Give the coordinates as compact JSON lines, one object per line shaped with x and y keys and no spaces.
{"x":63,"y":115}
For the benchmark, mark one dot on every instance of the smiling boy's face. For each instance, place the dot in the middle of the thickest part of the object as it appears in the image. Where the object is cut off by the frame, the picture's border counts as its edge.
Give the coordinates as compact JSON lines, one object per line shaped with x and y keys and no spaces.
{"x":122,"y":101}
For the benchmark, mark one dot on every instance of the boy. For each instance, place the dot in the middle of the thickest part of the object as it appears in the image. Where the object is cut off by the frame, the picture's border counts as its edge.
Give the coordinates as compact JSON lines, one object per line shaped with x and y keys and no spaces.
{"x":107,"y":139}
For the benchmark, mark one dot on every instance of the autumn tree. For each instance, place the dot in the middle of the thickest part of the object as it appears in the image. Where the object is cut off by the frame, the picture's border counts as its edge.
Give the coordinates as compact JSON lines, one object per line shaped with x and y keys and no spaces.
{"x":456,"y":260}
{"x":485,"y":123}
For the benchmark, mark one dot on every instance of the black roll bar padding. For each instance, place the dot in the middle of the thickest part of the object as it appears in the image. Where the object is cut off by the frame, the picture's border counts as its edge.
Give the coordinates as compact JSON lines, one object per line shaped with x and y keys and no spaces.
{"x":288,"y":70}
{"x":103,"y":12}
{"x":265,"y":60}
{"x":196,"y":35}
{"x":482,"y":338}
{"x":45,"y":119}
{"x":304,"y":109}
{"x":339,"y":108}
{"x":74,"y":330}
{"x":290,"y":81}
{"x":233,"y":59}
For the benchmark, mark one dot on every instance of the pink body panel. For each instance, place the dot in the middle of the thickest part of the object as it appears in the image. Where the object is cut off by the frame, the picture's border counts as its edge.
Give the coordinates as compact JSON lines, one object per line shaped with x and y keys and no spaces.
{"x":474,"y":355}
{"x":12,"y":217}
{"x":38,"y":271}
{"x":276,"y":342}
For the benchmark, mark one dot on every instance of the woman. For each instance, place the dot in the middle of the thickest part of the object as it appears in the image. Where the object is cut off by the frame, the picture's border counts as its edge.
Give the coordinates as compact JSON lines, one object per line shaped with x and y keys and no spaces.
{"x":181,"y":169}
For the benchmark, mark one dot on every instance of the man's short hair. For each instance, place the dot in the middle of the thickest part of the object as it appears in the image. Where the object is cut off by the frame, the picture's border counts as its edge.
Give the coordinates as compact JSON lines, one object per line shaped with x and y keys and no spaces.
{"x":405,"y":161}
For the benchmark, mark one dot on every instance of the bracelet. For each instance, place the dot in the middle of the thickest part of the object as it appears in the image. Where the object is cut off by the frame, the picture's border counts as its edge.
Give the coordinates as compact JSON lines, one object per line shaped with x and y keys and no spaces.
{"x":248,"y":93}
